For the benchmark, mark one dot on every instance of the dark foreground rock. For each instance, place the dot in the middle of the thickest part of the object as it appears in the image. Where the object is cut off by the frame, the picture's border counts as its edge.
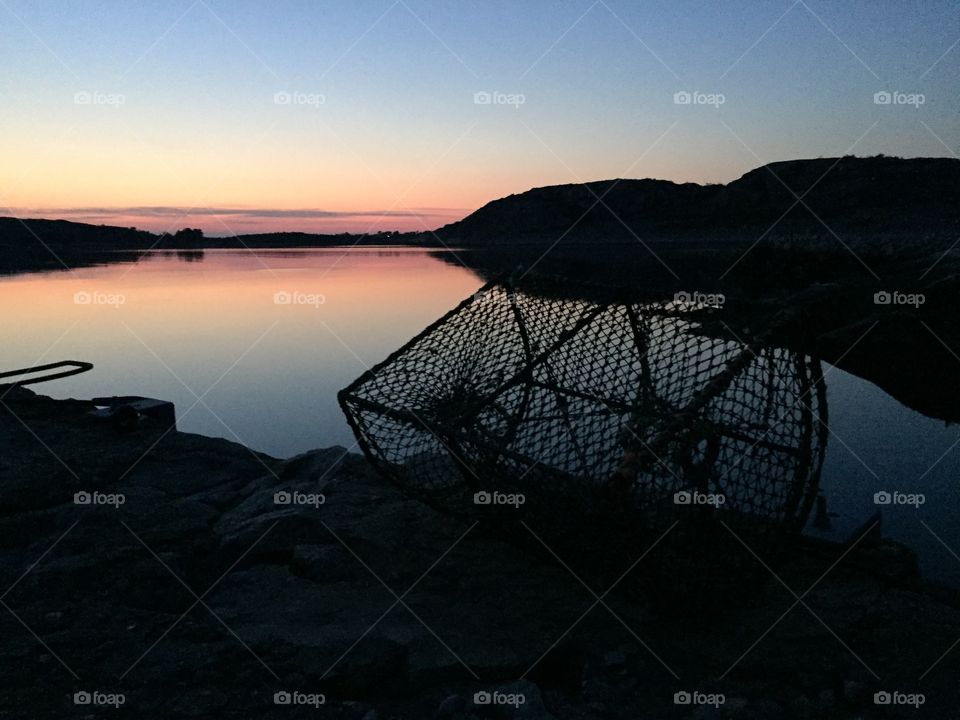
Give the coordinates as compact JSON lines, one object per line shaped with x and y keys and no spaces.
{"x":205,"y":580}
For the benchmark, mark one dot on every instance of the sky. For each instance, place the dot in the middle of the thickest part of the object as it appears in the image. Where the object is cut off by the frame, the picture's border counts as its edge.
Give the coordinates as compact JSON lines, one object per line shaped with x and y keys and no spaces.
{"x":369,"y":115}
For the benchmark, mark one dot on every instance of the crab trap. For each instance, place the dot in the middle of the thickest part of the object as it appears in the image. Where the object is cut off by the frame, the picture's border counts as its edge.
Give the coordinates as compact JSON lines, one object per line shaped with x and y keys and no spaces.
{"x":595,"y":423}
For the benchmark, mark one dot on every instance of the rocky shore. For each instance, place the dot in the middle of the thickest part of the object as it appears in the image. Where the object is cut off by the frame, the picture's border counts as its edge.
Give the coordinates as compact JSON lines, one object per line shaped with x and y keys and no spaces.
{"x":192,"y":577}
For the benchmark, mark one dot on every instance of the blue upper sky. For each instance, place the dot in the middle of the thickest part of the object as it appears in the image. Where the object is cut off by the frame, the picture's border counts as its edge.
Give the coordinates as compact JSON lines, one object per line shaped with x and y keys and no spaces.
{"x":422,"y":110}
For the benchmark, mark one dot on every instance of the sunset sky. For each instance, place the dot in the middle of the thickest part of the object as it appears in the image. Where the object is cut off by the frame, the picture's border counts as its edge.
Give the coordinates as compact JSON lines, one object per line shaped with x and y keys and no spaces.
{"x":364,"y":115}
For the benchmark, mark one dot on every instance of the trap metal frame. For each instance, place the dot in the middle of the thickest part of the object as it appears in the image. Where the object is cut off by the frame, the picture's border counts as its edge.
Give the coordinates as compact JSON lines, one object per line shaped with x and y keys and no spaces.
{"x":598,"y":414}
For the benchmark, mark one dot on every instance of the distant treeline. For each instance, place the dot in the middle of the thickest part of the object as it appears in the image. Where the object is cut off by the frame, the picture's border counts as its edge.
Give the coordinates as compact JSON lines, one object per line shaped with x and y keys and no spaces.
{"x":27,"y":244}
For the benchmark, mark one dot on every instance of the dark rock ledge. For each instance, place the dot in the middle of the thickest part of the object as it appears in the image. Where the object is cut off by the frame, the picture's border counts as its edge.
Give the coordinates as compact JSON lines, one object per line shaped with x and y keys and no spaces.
{"x":199,"y":596}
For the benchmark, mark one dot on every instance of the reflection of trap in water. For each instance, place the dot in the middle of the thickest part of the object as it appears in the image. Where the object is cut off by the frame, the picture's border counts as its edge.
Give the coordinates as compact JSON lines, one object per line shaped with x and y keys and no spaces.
{"x":579,"y":417}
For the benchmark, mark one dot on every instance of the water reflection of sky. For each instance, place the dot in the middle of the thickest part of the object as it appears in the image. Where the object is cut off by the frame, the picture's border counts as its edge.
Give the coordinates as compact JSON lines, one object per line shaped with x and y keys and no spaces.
{"x":877,"y":444}
{"x":268,"y":372}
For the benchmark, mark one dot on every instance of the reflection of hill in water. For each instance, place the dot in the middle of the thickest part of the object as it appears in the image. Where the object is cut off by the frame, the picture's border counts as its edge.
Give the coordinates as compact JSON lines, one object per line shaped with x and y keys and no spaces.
{"x":819,"y":297}
{"x":614,"y":421}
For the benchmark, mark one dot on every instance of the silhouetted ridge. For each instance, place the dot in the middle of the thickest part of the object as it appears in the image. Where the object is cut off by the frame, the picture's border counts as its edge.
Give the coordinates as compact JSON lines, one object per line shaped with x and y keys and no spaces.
{"x":877,"y":194}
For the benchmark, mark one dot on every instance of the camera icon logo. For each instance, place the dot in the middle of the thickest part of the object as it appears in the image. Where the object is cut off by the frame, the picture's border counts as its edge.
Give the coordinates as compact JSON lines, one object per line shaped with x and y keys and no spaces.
{"x":684,"y":497}
{"x":282,"y":297}
{"x":682,"y":698}
{"x":282,"y":697}
{"x":482,"y":698}
{"x":882,"y":98}
{"x":82,"y":498}
{"x":682,"y":98}
{"x":882,"y":698}
{"x":882,"y":498}
{"x":482,"y":98}
{"x":282,"y":498}
{"x":82,"y":698}
{"x":882,"y":298}
{"x":482,"y":498}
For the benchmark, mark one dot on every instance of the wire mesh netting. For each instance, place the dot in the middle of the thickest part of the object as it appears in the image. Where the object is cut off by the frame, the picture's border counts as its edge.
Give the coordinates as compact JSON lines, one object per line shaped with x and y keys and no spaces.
{"x":594,"y":420}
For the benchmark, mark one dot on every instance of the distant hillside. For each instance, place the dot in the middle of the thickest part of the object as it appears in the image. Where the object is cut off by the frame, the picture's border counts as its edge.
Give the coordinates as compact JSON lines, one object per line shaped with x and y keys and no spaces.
{"x":864,"y":195}
{"x":308,"y":240}
{"x":54,"y":244}
{"x":15,"y":233}
{"x":28,"y":244}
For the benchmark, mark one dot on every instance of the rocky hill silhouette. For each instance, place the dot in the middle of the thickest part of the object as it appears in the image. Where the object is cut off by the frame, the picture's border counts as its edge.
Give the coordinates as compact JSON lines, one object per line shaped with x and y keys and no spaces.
{"x":863,"y":195}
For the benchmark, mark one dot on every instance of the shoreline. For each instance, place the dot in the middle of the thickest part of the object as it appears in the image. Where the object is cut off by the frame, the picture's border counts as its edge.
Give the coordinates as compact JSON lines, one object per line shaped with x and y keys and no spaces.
{"x":298,"y":584}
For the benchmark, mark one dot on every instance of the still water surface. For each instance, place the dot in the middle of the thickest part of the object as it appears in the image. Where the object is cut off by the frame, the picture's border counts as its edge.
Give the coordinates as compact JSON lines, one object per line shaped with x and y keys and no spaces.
{"x":254,"y":347}
{"x":267,"y":372}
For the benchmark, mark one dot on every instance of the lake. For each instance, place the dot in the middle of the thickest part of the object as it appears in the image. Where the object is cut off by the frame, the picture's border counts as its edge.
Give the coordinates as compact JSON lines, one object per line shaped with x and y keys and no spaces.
{"x":253,"y":347}
{"x":267,"y":372}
